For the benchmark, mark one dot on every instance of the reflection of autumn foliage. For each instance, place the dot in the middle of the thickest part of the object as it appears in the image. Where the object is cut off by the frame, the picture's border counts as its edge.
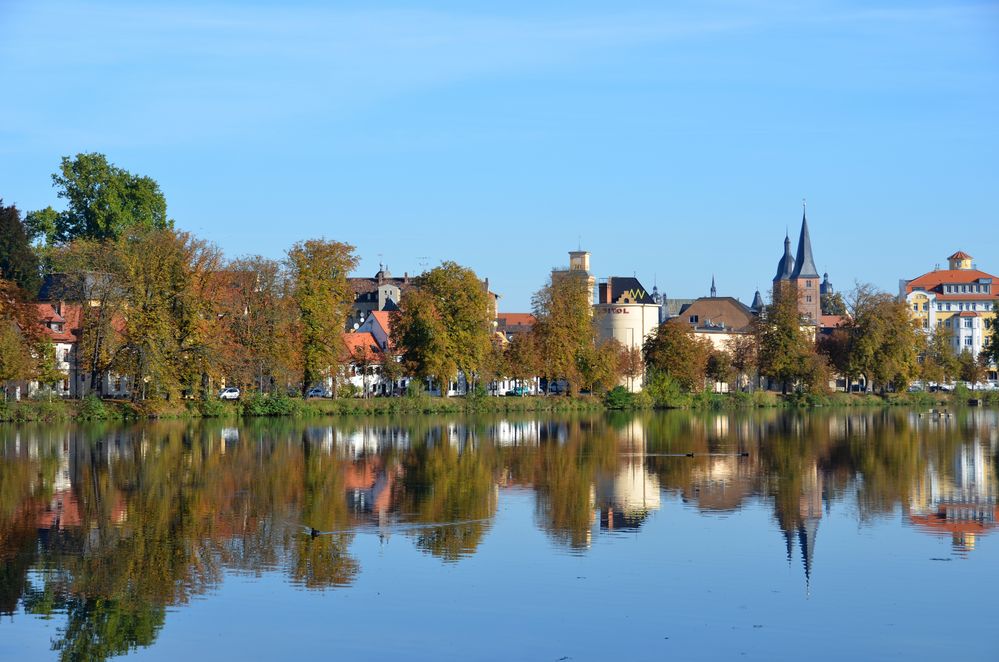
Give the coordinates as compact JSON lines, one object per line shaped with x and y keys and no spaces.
{"x":444,"y":486}
{"x":564,"y":480}
{"x":120,"y":523}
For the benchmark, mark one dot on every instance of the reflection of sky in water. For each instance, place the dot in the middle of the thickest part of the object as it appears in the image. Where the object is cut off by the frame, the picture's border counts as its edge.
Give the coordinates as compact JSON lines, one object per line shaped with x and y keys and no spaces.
{"x":676,"y":557}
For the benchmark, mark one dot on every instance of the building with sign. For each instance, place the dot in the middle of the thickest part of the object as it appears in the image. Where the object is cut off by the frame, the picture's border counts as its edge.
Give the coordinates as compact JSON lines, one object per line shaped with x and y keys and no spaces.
{"x":961,"y":299}
{"x":626,"y":312}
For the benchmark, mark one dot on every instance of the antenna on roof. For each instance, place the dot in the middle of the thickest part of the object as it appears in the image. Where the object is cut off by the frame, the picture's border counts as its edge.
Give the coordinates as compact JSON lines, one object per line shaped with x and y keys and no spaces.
{"x":579,"y":242}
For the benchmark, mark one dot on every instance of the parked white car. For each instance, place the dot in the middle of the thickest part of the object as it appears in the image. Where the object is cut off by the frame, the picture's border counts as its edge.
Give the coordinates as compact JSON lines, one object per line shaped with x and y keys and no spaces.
{"x":230,"y":393}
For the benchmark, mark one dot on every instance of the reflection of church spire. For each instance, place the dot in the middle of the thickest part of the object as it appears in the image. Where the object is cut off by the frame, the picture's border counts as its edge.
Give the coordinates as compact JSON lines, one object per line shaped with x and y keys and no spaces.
{"x":806,"y":539}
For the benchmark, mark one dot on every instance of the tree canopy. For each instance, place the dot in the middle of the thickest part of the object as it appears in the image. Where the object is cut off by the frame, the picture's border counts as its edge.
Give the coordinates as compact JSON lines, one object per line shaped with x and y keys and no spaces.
{"x":102,"y":201}
{"x":18,"y":263}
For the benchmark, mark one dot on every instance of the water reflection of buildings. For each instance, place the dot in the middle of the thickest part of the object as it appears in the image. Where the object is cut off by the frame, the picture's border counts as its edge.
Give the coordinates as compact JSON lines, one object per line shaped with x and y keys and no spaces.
{"x":801,"y":524}
{"x":624,"y":499}
{"x":960,"y":503}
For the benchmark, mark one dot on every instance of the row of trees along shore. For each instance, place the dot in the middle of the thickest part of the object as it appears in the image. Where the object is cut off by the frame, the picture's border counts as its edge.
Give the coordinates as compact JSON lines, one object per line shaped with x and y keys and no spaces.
{"x":170,"y":312}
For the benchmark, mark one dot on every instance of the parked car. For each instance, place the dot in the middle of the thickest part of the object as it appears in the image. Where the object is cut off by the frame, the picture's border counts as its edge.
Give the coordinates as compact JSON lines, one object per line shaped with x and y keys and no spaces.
{"x":229,"y":393}
{"x":318,"y":392}
{"x":518,"y":391}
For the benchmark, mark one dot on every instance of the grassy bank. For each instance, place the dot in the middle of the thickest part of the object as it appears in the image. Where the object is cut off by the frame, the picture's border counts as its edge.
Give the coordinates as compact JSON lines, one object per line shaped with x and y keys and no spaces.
{"x":93,"y":409}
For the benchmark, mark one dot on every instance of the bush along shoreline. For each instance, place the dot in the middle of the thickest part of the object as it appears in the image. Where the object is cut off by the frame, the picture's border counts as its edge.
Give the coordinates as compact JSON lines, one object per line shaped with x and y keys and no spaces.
{"x":617,"y":399}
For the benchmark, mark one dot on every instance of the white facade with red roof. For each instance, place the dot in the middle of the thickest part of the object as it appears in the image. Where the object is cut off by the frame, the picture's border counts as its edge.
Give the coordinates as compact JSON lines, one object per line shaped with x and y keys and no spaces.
{"x":961,"y":299}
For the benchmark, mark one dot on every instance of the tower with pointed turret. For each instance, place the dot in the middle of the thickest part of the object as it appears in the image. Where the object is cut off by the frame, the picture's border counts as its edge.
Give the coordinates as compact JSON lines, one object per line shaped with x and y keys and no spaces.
{"x":797,"y":276}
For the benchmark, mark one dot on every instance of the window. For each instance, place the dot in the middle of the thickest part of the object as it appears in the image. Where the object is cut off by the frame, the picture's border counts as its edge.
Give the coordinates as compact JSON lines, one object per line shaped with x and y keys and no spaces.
{"x":947,"y":323}
{"x":988,"y":324}
{"x":968,"y":323}
{"x":967,"y":341}
{"x":915,"y":307}
{"x":808,"y":283}
{"x":939,"y":306}
{"x":693,"y":319}
{"x":926,"y":307}
{"x":948,"y":306}
{"x":808,"y":299}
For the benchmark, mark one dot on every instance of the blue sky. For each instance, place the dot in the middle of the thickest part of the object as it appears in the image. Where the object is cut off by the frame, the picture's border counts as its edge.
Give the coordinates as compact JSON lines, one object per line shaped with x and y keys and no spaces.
{"x":673,"y":140}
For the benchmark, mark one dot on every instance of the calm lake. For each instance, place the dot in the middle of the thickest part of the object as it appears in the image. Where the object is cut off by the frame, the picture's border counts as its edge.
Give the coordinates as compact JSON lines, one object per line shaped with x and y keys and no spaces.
{"x":774,"y":535}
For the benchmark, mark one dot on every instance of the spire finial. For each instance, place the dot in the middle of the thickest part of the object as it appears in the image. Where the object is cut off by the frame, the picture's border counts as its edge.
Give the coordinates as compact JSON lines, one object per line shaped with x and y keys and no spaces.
{"x":714,"y":292}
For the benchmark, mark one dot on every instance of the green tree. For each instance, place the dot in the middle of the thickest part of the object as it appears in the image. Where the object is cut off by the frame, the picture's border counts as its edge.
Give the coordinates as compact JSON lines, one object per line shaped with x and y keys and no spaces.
{"x":444,"y":324}
{"x":785,"y":348}
{"x":564,"y":329}
{"x":832,"y":304}
{"x":742,"y":349}
{"x":674,"y":351}
{"x":102,"y":201}
{"x":92,"y":275}
{"x":884,"y":340}
{"x":939,"y":360}
{"x":319,"y":270}
{"x":18,"y":263}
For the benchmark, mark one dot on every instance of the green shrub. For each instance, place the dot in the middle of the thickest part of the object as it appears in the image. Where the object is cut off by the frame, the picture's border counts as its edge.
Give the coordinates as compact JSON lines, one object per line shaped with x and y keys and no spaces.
{"x":92,"y":409}
{"x":666,"y":392}
{"x":618,"y":398}
{"x":276,"y":404}
{"x":212,"y":408}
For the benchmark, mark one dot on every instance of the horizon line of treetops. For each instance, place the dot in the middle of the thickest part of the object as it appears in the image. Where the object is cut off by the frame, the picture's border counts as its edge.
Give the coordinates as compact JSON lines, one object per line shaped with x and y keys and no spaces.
{"x":169,"y":312}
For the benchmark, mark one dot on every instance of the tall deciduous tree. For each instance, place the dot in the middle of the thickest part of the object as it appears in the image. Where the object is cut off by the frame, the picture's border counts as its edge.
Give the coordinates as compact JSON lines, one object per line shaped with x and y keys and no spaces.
{"x":319,"y":269}
{"x":742,"y":349}
{"x":674,"y":351}
{"x":444,"y":324}
{"x":786,"y":351}
{"x":102,"y":201}
{"x":18,"y":263}
{"x":939,"y":359}
{"x":259,"y":316}
{"x":885,"y":342}
{"x":564,"y":330}
{"x":92,"y":275}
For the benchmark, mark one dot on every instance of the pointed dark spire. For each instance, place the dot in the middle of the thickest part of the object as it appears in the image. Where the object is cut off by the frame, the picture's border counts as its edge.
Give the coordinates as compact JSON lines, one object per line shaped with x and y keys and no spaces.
{"x":804,"y":264}
{"x":786,"y":265}
{"x":714,"y":291}
{"x":757,"y":302}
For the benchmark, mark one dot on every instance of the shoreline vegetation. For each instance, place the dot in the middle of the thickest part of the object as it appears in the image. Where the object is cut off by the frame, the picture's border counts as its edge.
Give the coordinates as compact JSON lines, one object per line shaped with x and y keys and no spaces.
{"x":94,"y":409}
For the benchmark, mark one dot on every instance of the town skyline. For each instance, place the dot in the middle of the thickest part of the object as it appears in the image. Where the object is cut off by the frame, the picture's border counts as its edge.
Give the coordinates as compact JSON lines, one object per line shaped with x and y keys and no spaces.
{"x":672,"y":142}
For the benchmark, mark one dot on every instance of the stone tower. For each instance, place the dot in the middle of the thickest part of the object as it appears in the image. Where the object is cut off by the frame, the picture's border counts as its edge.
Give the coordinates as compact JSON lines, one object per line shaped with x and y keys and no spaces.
{"x":805,"y":277}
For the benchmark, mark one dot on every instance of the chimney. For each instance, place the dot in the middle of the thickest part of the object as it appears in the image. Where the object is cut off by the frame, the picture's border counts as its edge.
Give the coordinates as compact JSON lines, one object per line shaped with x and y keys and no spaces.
{"x":58,"y":307}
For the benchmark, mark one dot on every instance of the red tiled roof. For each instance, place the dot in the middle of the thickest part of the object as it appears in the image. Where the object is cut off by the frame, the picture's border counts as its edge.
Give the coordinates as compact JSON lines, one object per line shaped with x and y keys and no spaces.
{"x":831,"y":321}
{"x":70,"y":319}
{"x":384,"y":320}
{"x":363,"y":341}
{"x":967,"y":313}
{"x":516,"y":319}
{"x":960,"y":255}
{"x":930,"y":280}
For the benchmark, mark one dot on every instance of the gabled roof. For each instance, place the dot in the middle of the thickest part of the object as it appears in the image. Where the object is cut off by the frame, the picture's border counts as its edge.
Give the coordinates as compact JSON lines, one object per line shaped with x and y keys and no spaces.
{"x":727,"y":311}
{"x":384,"y":319}
{"x":354,"y":342}
{"x":70,"y":319}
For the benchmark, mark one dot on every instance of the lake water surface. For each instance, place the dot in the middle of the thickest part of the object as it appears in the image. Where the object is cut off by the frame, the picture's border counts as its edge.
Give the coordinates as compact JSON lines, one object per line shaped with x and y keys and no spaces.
{"x":775,"y":535}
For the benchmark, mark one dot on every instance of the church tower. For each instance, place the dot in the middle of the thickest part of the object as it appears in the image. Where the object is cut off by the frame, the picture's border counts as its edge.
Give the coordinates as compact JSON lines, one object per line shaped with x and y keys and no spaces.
{"x":805,"y":277}
{"x":782,"y":281}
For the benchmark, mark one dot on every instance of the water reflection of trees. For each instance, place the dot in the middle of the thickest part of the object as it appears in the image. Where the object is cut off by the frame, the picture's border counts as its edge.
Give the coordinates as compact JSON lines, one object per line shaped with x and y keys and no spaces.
{"x":109,"y":526}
